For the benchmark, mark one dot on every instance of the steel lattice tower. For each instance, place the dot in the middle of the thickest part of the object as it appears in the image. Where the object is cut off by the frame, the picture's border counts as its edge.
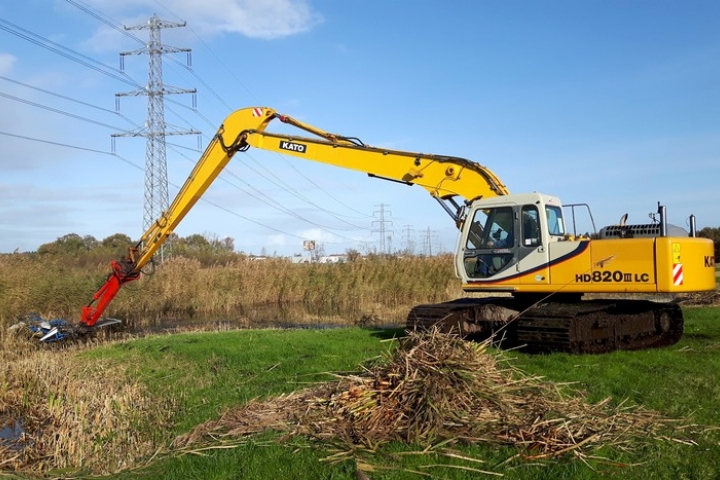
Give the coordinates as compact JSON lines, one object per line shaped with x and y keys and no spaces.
{"x":382,"y":222}
{"x":155,"y":129}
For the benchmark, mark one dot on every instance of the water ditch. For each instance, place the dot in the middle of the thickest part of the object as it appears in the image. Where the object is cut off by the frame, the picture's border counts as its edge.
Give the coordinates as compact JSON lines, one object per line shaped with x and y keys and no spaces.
{"x":12,"y":433}
{"x":292,"y":316}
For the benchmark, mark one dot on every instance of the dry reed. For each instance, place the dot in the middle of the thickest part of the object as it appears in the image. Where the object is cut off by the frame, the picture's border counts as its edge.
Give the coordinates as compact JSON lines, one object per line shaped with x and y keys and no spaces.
{"x":91,"y":419}
{"x":437,"y":389}
{"x":378,"y":290}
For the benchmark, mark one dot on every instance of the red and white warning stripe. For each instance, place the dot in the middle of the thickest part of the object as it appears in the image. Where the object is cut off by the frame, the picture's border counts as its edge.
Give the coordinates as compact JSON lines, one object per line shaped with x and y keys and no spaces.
{"x":677,"y":274}
{"x":257,"y":112}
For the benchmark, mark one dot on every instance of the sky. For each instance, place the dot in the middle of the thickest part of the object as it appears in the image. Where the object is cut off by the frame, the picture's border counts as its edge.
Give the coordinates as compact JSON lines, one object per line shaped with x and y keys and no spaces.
{"x":611,"y":103}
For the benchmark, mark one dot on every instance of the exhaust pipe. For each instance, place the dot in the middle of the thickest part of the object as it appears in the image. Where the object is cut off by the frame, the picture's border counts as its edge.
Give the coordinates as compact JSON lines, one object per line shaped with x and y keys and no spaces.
{"x":693,"y":228}
{"x":663,"y":220}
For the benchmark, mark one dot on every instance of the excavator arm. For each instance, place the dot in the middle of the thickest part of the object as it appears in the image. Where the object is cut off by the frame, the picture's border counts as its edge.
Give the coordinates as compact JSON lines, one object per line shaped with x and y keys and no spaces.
{"x":443,"y":177}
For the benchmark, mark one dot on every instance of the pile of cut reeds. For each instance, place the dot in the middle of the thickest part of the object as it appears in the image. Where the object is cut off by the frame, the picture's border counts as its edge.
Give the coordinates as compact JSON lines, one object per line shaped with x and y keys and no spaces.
{"x":438,"y":389}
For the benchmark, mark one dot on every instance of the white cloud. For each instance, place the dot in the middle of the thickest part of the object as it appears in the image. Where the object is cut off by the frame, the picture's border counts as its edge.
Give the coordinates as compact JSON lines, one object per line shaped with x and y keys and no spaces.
{"x":262,"y":19}
{"x":268,"y":19}
{"x":6,"y":63}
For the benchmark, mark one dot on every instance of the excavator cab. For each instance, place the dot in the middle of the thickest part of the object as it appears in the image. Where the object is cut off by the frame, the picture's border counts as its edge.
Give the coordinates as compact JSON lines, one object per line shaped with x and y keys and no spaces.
{"x":508,"y":235}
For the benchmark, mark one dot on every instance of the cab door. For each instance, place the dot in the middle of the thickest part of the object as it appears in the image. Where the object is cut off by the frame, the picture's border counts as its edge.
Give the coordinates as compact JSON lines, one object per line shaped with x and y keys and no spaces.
{"x":487,"y":251}
{"x":533,"y":258}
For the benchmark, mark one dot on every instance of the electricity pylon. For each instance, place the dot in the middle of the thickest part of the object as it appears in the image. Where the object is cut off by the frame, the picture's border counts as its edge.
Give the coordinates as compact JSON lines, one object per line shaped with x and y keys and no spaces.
{"x":155,"y":129}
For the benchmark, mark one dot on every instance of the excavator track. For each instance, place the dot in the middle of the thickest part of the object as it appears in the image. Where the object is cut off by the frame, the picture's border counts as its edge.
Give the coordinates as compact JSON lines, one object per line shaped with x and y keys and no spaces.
{"x":589,"y":326}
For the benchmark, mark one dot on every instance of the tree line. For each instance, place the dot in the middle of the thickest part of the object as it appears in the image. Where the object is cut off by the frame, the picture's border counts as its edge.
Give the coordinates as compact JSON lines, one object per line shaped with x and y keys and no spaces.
{"x":208,"y":249}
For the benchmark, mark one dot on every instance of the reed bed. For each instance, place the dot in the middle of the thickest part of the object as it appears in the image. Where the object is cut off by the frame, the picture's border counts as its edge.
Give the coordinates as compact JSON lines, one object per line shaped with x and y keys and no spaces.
{"x":90,"y":419}
{"x":437,"y":390}
{"x":377,"y":290}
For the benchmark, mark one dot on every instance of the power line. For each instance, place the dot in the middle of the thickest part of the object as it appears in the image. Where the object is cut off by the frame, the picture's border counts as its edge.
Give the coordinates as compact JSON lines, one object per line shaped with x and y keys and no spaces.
{"x":309,"y":180}
{"x":66,"y":52}
{"x":205,"y":84}
{"x":58,"y":111}
{"x":98,"y":15}
{"x":104,"y":19}
{"x":75,"y":147}
{"x":100,"y":67}
{"x":298,"y":195}
{"x":194,"y":110}
{"x":135,"y":165}
{"x":270,"y":202}
{"x":70,"y":99}
{"x":237,"y":80}
{"x":50,"y":142}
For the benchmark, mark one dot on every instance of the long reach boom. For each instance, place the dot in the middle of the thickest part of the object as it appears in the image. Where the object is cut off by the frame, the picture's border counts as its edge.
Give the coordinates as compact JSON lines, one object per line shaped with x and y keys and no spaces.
{"x":444,"y":177}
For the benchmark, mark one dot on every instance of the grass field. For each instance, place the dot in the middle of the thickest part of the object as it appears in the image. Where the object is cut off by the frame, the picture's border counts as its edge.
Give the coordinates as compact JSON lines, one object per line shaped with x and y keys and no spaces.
{"x":207,"y":373}
{"x":118,"y":407}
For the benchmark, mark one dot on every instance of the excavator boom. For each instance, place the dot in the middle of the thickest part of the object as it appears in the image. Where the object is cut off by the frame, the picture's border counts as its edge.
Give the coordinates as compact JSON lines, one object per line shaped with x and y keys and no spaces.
{"x":442,"y":176}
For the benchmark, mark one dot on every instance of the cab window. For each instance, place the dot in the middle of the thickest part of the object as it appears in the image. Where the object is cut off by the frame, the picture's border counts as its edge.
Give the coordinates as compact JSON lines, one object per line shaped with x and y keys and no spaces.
{"x":556,"y":226}
{"x":530,"y":226}
{"x":490,"y":242}
{"x":491,"y":228}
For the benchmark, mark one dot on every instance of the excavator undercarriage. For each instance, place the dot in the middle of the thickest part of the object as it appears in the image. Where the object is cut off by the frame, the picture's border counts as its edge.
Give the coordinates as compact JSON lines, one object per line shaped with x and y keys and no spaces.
{"x":588,"y":326}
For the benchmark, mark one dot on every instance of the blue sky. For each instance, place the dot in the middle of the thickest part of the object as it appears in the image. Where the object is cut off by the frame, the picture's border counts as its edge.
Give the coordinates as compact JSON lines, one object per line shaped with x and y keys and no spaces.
{"x":611,"y":103}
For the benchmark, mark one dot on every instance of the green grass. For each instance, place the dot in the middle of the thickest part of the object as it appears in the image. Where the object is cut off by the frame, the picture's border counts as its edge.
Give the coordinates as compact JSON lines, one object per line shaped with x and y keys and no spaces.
{"x":209,"y":372}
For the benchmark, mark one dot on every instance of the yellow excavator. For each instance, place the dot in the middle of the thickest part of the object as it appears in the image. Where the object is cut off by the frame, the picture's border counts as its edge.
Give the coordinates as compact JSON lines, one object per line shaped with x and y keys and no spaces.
{"x":517,"y":247}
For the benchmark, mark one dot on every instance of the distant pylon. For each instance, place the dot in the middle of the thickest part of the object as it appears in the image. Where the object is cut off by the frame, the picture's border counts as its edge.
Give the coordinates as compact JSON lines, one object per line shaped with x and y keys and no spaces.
{"x":381,"y":229}
{"x":409,"y":243}
{"x":428,"y":247}
{"x":155,"y":129}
